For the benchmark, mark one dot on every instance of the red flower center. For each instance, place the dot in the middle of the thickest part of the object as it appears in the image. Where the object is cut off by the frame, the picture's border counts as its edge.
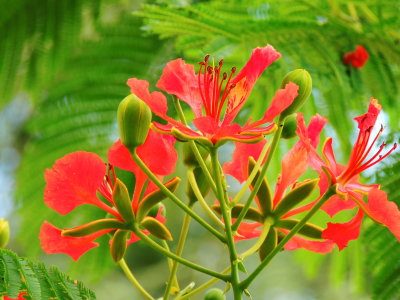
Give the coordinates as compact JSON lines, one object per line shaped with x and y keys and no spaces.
{"x":214,"y":87}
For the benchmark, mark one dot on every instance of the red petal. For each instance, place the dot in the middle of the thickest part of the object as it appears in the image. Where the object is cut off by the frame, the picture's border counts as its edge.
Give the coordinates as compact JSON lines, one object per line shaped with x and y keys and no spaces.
{"x":368,"y":120}
{"x":336,"y":204}
{"x":297,"y":242}
{"x":342,"y":233}
{"x":180,"y":80}
{"x":155,"y":100}
{"x":247,"y":231}
{"x":244,"y":81}
{"x":282,"y":100}
{"x":73,"y":181}
{"x":207,"y":125}
{"x":240,"y":157}
{"x":52,"y":242}
{"x":161,"y":164}
{"x":383,"y":211}
{"x":20,"y":297}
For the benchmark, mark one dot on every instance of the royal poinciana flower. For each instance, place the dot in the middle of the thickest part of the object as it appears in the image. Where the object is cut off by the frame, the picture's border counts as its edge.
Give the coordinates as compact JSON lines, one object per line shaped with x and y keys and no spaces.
{"x":280,"y":210}
{"x":78,"y":177}
{"x":215,"y":98}
{"x":350,"y":192}
{"x":357,"y":58}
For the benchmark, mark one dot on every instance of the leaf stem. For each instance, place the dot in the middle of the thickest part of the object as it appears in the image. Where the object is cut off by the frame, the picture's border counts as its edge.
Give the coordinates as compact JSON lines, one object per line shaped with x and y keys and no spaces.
{"x":133,"y":280}
{"x":169,"y":254}
{"x":226,"y":214}
{"x":174,"y":198}
{"x":170,"y":264}
{"x":194,"y":148}
{"x":179,"y":250}
{"x":330,"y":192}
{"x":264,"y":169}
{"x":200,"y":198}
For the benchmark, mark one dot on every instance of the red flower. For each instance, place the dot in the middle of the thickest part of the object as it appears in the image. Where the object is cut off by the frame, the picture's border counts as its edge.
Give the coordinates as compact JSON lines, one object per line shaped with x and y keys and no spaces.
{"x":209,"y":93}
{"x":76,"y":178}
{"x":294,"y":164}
{"x":347,"y":178}
{"x":358,"y":58}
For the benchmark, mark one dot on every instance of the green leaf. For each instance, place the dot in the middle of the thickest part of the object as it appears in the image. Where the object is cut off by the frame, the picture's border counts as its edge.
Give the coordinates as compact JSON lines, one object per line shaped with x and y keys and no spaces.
{"x":21,"y":275}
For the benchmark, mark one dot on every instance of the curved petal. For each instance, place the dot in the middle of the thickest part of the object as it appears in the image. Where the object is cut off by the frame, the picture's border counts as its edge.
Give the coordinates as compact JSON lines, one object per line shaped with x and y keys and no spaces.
{"x":244,"y":81}
{"x":342,"y":233}
{"x":282,"y":100}
{"x":73,"y":180}
{"x":52,"y":242}
{"x":155,"y":100}
{"x":336,"y":204}
{"x":247,"y":231}
{"x":239,"y":165}
{"x":180,"y":79}
{"x":161,"y":164}
{"x":297,"y":242}
{"x":383,"y":211}
{"x":368,"y":120}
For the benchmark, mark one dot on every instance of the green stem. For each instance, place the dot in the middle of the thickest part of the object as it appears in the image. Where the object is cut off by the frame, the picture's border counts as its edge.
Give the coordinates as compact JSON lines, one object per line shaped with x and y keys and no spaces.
{"x":330,"y":192}
{"x":251,"y":177}
{"x":179,"y":250}
{"x":200,"y":198}
{"x":202,"y":287}
{"x":174,"y":198}
{"x":260,"y":179}
{"x":226,"y":214}
{"x":169,"y":254}
{"x":133,"y":280}
{"x":260,"y":241}
{"x":170,"y":264}
{"x":194,"y":148}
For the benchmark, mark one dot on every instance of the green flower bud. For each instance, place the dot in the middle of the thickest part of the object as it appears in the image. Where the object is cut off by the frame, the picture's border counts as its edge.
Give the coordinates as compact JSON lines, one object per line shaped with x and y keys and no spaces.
{"x":214,"y":294}
{"x":303,"y":79}
{"x":134,"y":118}
{"x":289,"y":127}
{"x":4,"y":233}
{"x":189,"y":159}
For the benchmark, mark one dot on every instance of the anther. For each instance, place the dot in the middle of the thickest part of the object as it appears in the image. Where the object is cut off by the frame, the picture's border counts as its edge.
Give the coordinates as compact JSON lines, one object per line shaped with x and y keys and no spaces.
{"x":221,"y":62}
{"x":224,"y":76}
{"x":233,"y":70}
{"x":206,"y":58}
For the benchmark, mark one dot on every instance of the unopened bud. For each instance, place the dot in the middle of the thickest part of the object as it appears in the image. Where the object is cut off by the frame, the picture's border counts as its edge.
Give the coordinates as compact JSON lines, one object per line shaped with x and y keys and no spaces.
{"x":189,"y":159}
{"x":303,"y":79}
{"x":214,"y":294}
{"x":289,"y":127}
{"x":134,"y":118}
{"x":4,"y":233}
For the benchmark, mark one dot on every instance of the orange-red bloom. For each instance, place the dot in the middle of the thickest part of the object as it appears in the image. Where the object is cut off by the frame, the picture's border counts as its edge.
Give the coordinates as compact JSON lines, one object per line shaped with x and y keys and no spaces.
{"x":76,"y":179}
{"x":215,"y":98}
{"x":357,"y":58}
{"x":350,"y":191}
{"x":294,"y":164}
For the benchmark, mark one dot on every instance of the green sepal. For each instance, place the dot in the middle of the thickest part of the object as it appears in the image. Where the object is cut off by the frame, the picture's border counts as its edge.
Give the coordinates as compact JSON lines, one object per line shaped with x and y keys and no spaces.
{"x":309,"y":230}
{"x":252,"y":214}
{"x":122,"y":201}
{"x":269,"y":244}
{"x":264,"y":195}
{"x":202,"y":184}
{"x":118,"y":244}
{"x":93,"y":227}
{"x":185,"y":137}
{"x":156,"y":228}
{"x":294,"y":197}
{"x":155,"y":197}
{"x":189,"y":159}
